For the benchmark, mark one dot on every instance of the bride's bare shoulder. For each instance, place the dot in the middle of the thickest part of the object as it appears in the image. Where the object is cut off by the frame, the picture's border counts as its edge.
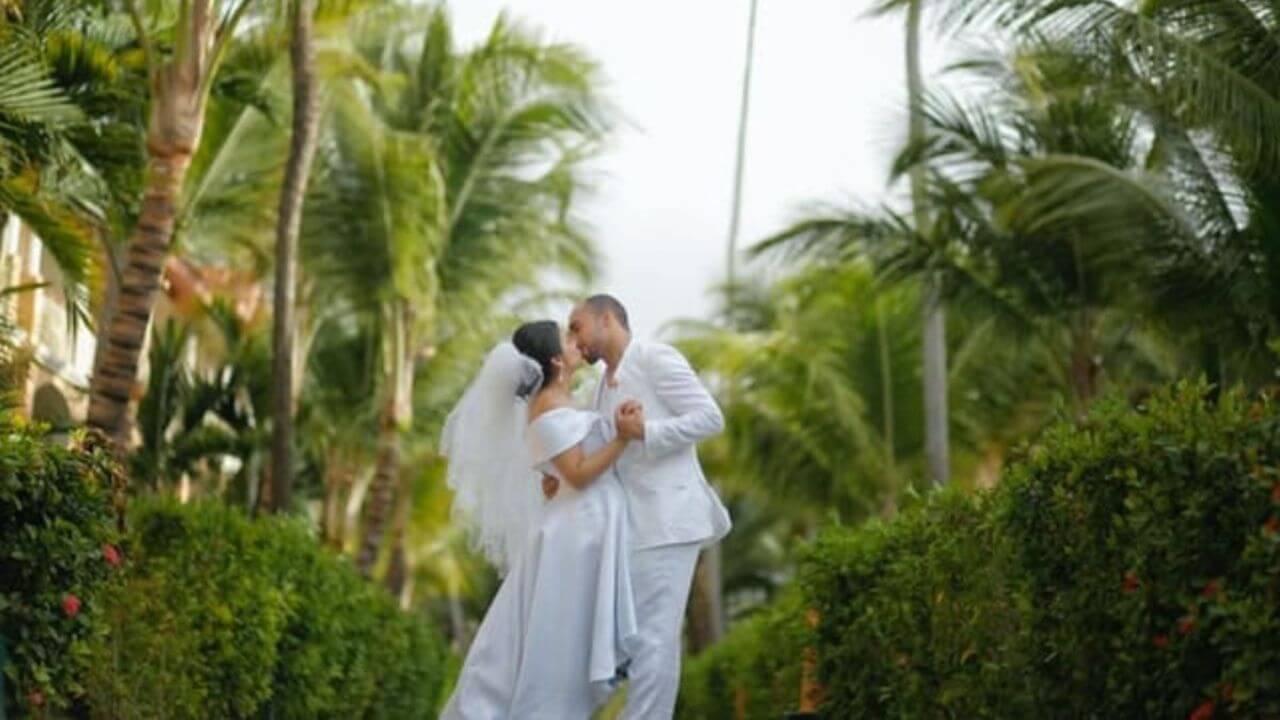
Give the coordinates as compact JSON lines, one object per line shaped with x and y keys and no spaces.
{"x":544,"y":403}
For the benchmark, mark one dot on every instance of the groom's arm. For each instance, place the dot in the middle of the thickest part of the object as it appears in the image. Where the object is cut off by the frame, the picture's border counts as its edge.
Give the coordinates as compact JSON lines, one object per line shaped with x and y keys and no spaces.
{"x":695,"y":414}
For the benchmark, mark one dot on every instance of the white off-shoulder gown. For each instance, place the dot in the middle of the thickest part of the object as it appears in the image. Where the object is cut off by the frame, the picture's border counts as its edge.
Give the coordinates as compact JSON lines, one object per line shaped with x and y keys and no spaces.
{"x":564,"y":619}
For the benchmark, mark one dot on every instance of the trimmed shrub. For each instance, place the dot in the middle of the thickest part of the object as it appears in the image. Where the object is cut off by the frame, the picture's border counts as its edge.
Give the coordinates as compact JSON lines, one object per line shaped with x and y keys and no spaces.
{"x":224,"y":617}
{"x":58,"y":546}
{"x":193,"y":630}
{"x":1149,"y":559}
{"x":915,"y":620}
{"x":754,"y":672}
{"x":1127,"y":566}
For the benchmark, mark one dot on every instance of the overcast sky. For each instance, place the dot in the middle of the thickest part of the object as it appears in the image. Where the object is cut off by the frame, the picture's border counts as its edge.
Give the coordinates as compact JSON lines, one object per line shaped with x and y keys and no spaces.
{"x":827,"y":113}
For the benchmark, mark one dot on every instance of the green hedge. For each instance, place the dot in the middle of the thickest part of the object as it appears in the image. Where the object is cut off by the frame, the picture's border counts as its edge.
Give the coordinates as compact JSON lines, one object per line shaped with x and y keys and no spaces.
{"x":915,"y":619}
{"x":1148,"y":558}
{"x":58,"y":547}
{"x":223,"y":617}
{"x":1127,"y":566}
{"x":753,"y":670}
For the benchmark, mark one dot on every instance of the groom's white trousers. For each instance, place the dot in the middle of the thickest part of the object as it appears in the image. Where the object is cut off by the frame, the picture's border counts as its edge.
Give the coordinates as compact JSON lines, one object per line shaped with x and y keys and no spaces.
{"x":660,"y":578}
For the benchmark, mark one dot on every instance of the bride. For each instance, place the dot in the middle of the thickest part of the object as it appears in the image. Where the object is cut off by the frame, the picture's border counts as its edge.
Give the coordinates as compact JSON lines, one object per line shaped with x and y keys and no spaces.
{"x":560,"y":628}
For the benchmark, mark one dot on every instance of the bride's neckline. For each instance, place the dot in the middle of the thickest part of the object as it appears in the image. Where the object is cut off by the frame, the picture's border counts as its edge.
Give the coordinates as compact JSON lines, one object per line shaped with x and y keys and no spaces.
{"x":552,"y":411}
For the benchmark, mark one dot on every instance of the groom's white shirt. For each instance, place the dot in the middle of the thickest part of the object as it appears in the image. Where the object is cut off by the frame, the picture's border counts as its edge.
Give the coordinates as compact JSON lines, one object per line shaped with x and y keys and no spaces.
{"x":669,"y":499}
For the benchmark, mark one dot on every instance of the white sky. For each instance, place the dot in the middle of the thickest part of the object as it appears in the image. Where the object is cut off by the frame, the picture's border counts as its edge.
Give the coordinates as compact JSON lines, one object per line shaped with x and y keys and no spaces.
{"x":826,"y":116}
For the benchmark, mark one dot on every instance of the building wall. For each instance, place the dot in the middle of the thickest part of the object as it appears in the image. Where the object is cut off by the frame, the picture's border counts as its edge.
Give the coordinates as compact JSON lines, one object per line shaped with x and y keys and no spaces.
{"x":61,"y":354}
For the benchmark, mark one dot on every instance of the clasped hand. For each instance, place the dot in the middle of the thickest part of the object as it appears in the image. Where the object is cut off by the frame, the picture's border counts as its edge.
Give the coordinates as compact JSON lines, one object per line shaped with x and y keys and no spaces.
{"x":629,"y":420}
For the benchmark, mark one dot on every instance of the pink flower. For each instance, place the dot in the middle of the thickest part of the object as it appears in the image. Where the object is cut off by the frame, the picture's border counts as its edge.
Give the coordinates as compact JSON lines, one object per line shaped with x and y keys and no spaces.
{"x":70,"y":605}
{"x":111,"y":555}
{"x":1203,"y":711}
{"x":35,"y":698}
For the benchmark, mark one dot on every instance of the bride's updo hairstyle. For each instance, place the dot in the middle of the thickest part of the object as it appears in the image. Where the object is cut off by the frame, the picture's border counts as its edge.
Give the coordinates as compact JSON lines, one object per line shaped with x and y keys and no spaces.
{"x":540,"y":341}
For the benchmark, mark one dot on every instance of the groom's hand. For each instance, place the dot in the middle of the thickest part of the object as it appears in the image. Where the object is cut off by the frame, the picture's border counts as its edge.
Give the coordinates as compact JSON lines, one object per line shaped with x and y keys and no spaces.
{"x":630,"y":420}
{"x":550,"y":486}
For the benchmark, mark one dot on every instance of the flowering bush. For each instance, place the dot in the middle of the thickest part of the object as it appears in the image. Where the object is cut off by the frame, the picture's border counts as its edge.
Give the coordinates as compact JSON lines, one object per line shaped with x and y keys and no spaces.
{"x":58,"y":547}
{"x":1145,"y":560}
{"x":1127,"y":566}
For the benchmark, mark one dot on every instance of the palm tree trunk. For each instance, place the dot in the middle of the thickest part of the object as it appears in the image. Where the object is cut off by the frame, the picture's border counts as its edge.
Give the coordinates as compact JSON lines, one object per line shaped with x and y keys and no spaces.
{"x":937,"y":442}
{"x":735,"y":213}
{"x":292,"y":195}
{"x":330,"y":514}
{"x":179,"y":92}
{"x":457,"y":622}
{"x":1084,"y":365}
{"x":382,"y":492}
{"x":706,"y":611}
{"x":396,"y":417}
{"x":706,"y":608}
{"x":112,"y":385}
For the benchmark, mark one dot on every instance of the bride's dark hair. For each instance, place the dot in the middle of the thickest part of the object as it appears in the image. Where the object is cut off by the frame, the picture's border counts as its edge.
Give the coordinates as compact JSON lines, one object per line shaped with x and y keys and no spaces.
{"x":541,"y":341}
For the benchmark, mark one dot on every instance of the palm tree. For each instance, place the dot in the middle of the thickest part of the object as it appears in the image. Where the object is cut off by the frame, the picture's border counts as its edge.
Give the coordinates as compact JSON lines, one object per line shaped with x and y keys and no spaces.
{"x":1201,"y":75}
{"x":933,"y":314}
{"x":446,"y":181}
{"x":193,"y":420}
{"x":181,"y":69}
{"x":805,"y":418}
{"x":1052,"y":224}
{"x":306,"y":111}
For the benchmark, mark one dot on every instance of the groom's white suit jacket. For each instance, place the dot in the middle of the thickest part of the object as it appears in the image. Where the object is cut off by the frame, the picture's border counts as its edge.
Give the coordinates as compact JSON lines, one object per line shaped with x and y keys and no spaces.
{"x":669,"y":499}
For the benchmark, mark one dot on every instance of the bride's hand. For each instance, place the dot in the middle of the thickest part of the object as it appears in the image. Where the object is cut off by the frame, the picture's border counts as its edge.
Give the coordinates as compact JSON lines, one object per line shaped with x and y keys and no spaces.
{"x":630,"y":420}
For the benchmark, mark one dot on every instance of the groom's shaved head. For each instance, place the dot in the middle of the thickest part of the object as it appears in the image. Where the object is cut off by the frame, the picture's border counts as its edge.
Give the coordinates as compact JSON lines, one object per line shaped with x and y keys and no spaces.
{"x":599,"y":326}
{"x":602,"y":303}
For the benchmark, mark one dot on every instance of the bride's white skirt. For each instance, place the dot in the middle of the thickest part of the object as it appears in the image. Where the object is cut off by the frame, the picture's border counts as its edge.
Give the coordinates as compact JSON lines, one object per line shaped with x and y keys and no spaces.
{"x":563,"y":621}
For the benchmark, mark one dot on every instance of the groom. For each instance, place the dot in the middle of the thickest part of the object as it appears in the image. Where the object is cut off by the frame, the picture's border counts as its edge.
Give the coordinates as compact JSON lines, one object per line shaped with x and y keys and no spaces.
{"x":673,"y":510}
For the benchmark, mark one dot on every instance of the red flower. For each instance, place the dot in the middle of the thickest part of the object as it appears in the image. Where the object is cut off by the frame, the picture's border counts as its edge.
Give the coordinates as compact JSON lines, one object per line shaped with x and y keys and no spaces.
{"x":111,"y":555}
{"x":1161,"y":641}
{"x":1211,"y":590}
{"x":1186,"y":624}
{"x":1271,"y":526}
{"x":1204,"y":711}
{"x":35,"y":698}
{"x":1275,"y":493}
{"x":1130,"y":583}
{"x":70,"y":605}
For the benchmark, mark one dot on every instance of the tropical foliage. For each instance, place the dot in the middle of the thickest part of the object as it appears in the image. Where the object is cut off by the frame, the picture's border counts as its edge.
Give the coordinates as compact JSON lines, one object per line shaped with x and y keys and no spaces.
{"x":1093,"y":200}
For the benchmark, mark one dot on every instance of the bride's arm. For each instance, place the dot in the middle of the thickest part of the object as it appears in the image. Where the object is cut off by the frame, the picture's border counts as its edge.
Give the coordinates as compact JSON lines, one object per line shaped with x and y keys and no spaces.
{"x":580,"y":469}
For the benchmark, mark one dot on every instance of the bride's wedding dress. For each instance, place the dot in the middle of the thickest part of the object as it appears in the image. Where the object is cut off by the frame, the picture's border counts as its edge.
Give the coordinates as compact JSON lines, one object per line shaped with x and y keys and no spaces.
{"x":563,"y":620}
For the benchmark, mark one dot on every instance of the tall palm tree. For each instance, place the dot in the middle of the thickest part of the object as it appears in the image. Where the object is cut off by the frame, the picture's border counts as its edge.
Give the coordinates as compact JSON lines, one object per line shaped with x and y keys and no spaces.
{"x":306,"y":118}
{"x":706,"y":606}
{"x":181,"y":68}
{"x":446,"y":182}
{"x":1202,"y":76}
{"x":1053,"y":224}
{"x":933,"y":314}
